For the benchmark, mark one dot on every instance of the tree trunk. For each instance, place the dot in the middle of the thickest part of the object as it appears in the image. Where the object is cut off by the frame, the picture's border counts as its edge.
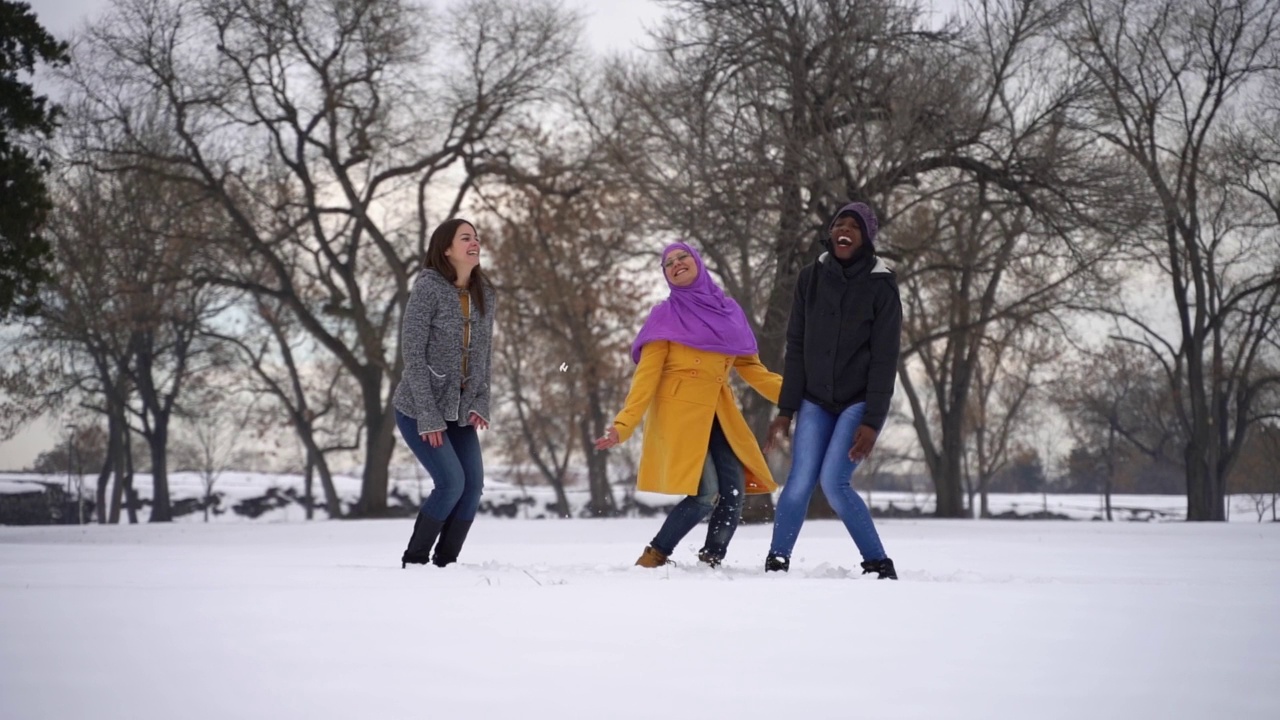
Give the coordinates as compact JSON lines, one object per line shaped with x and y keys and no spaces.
{"x":602,"y":503}
{"x":562,"y":499}
{"x":948,"y":482}
{"x":772,"y":338}
{"x":1206,"y":499}
{"x":157,"y":443}
{"x":130,"y":495}
{"x":306,"y":486}
{"x":379,"y":442}
{"x":116,"y":454}
{"x":591,"y":426}
{"x":316,"y":461}
{"x":104,"y":477}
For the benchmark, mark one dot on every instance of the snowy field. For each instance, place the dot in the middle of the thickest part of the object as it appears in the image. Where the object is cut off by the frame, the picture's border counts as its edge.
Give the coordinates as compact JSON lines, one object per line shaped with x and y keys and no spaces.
{"x":548,"y":619}
{"x":413,"y":483}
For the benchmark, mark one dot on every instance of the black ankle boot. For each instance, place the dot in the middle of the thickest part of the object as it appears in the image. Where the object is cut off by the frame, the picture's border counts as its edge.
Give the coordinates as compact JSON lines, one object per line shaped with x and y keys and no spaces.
{"x":708,"y":557}
{"x":452,"y":536}
{"x":777,"y":563}
{"x":425,"y":531}
{"x":884,"y":568}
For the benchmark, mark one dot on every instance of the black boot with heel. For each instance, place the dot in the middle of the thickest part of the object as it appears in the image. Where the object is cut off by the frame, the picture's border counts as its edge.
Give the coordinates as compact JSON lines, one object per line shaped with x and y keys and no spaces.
{"x":452,"y":536}
{"x":425,"y":531}
{"x":883,"y":568}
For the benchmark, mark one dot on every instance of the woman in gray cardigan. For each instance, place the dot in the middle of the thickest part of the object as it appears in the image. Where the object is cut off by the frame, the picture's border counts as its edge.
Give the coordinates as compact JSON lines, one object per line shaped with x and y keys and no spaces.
{"x":443,"y":396}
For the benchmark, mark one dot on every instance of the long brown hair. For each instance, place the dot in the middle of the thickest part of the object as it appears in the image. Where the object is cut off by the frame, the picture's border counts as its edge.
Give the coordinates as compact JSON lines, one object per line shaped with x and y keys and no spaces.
{"x":440,"y":241}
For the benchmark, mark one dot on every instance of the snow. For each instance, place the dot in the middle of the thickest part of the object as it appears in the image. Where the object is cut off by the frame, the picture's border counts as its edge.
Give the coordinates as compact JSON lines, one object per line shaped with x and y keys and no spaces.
{"x":14,"y":485}
{"x":992,"y":619}
{"x":236,"y":486}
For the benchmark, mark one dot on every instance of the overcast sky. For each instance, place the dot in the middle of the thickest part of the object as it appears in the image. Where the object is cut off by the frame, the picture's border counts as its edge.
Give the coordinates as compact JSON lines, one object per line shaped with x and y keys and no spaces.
{"x":610,"y":24}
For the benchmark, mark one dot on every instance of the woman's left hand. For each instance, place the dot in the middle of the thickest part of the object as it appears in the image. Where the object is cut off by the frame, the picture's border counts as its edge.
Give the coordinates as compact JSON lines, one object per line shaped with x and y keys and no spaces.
{"x":864,"y":438}
{"x":479,"y":422}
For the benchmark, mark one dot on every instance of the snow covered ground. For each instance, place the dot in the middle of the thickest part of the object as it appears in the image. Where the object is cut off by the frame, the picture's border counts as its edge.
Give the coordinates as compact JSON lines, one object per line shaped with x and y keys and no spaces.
{"x":550,"y":620}
{"x":413,"y":483}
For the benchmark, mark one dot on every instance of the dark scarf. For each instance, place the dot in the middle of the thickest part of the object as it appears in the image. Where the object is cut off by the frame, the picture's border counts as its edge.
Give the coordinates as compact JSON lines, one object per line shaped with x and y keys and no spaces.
{"x":864,"y":251}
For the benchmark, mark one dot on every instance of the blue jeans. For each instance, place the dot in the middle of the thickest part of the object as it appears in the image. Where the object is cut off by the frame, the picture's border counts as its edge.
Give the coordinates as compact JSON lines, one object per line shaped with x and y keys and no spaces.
{"x":820,"y":454}
{"x":456,"y":468}
{"x":722,"y":474}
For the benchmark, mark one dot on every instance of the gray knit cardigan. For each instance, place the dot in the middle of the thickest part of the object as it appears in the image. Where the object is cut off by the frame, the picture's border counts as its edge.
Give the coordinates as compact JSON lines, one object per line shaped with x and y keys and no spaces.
{"x":430,"y":389}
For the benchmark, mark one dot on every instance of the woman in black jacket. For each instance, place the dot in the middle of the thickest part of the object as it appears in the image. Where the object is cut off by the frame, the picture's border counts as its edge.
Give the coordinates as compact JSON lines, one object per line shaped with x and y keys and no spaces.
{"x":841,"y":361}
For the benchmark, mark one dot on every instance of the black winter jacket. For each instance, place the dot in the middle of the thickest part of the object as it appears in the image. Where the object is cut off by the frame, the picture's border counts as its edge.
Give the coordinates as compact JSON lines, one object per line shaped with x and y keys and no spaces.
{"x":843,"y":338}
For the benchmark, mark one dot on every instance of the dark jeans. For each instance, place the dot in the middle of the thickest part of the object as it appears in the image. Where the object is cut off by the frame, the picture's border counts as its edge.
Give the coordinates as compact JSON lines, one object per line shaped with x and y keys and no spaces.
{"x":723,"y":475}
{"x":456,"y":468}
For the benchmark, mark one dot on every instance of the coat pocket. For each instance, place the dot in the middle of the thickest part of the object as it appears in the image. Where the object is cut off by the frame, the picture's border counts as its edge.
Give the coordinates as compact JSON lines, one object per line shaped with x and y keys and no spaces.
{"x":438,"y":381}
{"x":669,"y":387}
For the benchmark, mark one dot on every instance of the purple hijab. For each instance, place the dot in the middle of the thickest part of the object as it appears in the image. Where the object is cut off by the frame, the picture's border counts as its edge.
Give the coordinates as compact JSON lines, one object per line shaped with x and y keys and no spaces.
{"x":700,"y":316}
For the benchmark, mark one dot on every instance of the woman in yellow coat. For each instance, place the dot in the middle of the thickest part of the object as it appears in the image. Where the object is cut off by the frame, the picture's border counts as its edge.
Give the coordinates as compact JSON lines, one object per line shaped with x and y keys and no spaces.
{"x":696,"y":442}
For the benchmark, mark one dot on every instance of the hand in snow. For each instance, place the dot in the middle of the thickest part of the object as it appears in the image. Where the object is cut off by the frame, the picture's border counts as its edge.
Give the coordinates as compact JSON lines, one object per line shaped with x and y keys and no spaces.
{"x":434,"y":439}
{"x":780,"y":424}
{"x":609,"y":440}
{"x":864,"y":438}
{"x":478,"y":422}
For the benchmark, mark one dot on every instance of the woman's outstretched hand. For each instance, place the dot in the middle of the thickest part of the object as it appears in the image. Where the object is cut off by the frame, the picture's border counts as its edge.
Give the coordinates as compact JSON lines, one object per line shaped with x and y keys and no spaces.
{"x":434,"y":439}
{"x":479,"y":422}
{"x":780,"y":424}
{"x":609,"y":440}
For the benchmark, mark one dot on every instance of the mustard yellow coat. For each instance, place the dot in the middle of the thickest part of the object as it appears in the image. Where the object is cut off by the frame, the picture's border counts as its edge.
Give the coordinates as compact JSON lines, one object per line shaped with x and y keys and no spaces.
{"x":678,"y":390}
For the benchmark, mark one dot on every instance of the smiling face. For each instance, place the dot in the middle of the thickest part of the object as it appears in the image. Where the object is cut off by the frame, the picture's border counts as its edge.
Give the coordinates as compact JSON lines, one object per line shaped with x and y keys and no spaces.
{"x":464,"y":252}
{"x":846,"y":237}
{"x":680,"y":267}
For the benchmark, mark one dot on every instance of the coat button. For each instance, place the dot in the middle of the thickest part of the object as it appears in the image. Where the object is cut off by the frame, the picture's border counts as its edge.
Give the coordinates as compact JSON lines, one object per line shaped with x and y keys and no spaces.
{"x":693,"y":373}
{"x":719,"y":379}
{"x":697,"y":361}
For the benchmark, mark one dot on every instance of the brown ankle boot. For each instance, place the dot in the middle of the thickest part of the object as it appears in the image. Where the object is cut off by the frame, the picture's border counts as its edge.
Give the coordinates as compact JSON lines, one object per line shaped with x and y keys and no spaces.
{"x":651,"y":558}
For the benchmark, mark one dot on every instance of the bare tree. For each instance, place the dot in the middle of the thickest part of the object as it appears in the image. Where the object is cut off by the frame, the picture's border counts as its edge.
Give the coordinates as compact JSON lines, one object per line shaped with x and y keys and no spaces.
{"x":754,"y":119}
{"x":1167,"y":77}
{"x":333,"y":137}
{"x":211,"y":445}
{"x":562,"y":266}
{"x":314,"y":397}
{"x":1256,"y":474}
{"x":530,"y":377}
{"x":1117,"y":405}
{"x":1007,"y":387}
{"x":757,"y":119}
{"x":122,"y":316}
{"x":978,"y":278}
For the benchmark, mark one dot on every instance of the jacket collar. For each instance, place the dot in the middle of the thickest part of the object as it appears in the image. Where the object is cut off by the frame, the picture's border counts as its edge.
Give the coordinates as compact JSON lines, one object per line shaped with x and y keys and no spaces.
{"x":436,"y":278}
{"x":879,"y":268}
